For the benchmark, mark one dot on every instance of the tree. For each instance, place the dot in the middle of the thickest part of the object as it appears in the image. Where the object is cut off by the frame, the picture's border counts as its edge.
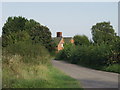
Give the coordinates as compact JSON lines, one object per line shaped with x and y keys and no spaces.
{"x":81,"y":40}
{"x":103,"y":32}
{"x":30,"y":24}
{"x":10,"y":28}
{"x":41,"y":34}
{"x":13,"y":24}
{"x":20,"y":29}
{"x":114,"y":57}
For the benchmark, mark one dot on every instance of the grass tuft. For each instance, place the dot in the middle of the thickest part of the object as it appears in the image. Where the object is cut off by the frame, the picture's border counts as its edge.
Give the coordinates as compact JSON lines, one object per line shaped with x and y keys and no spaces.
{"x":18,"y":74}
{"x":112,"y":68}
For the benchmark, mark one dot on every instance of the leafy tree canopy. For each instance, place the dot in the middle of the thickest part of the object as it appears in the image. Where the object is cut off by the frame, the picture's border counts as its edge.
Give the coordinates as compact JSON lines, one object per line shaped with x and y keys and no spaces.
{"x":81,"y":40}
{"x":103,"y":32}
{"x":21,"y":29}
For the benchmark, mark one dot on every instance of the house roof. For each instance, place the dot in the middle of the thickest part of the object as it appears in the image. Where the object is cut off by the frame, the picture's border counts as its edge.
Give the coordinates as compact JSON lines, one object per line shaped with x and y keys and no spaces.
{"x":66,"y":39}
{"x":57,"y":39}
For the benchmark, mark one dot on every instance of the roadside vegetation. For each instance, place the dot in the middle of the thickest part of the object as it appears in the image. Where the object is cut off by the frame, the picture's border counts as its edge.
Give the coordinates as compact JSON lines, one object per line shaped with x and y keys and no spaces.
{"x":103,"y":52}
{"x":26,"y":57}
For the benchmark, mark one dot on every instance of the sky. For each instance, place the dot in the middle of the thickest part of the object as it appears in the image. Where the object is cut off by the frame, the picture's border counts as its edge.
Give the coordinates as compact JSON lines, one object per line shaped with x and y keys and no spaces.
{"x":70,"y":18}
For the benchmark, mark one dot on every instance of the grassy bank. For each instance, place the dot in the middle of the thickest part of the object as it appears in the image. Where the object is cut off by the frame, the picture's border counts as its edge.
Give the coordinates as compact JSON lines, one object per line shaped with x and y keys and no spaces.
{"x":21,"y":75}
{"x":111,"y":68}
{"x":27,"y":48}
{"x":29,"y":66}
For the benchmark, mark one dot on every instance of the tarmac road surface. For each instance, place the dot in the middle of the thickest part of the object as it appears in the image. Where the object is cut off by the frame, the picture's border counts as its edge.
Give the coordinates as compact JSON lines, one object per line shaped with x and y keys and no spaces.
{"x":88,"y":78}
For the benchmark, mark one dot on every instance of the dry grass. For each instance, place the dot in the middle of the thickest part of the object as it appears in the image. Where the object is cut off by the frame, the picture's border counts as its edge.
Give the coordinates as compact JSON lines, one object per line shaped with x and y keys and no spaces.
{"x":17,"y":74}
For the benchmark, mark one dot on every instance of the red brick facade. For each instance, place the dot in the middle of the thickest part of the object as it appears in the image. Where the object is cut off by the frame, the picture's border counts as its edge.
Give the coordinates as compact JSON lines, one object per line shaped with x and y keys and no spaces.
{"x":59,"y":40}
{"x":61,"y":43}
{"x":72,"y":41}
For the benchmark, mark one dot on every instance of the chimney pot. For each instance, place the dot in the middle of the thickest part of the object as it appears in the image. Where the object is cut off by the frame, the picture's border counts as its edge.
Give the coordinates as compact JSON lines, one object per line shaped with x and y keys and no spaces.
{"x":59,"y":34}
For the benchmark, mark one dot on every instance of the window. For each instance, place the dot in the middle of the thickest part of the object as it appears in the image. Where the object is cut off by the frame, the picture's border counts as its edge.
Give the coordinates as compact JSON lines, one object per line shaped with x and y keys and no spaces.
{"x":61,"y":45}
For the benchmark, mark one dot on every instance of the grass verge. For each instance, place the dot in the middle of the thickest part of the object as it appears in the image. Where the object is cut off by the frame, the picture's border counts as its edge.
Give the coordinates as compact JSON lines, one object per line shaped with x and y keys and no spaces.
{"x":17,"y":74}
{"x":111,"y":68}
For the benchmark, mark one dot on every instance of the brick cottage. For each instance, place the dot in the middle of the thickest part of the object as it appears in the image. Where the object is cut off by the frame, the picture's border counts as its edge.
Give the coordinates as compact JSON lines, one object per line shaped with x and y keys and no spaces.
{"x":59,"y":40}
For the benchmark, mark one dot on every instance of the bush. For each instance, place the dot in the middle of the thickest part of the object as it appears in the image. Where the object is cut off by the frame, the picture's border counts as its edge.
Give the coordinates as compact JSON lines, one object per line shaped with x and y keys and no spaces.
{"x":112,"y":68}
{"x":21,"y":29}
{"x":91,"y":55}
{"x":30,"y":53}
{"x":96,"y":55}
{"x":115,"y":51}
{"x":81,"y":40}
{"x":79,"y":55}
{"x":66,"y":53}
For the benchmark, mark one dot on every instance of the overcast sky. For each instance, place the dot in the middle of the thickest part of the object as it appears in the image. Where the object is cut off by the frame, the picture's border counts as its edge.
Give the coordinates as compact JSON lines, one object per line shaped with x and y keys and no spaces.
{"x":69,"y":18}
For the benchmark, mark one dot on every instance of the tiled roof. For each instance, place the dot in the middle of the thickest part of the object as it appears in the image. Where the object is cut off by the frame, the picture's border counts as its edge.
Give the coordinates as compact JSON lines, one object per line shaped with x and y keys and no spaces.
{"x":66,"y":39}
{"x":57,"y":39}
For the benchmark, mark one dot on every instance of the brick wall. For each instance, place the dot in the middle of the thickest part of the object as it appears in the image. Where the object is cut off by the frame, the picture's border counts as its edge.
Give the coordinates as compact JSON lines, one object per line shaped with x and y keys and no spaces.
{"x":60,"y":45}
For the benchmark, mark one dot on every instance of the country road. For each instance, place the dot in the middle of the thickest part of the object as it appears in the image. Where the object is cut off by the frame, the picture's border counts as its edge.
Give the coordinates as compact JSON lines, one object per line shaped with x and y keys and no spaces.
{"x":88,"y":78}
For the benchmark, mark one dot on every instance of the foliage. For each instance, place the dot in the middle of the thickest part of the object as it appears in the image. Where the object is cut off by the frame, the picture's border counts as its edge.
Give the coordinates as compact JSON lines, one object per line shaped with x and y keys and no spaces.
{"x":20,"y":29}
{"x":12,"y":25}
{"x":30,"y":24}
{"x":91,"y":55}
{"x":30,"y":53}
{"x":41,"y":34}
{"x":81,"y":40}
{"x":66,"y":53}
{"x":115,"y":51}
{"x":112,"y":68}
{"x":103,"y":52}
{"x":26,"y":59}
{"x":102,"y":32}
{"x":22,"y":75}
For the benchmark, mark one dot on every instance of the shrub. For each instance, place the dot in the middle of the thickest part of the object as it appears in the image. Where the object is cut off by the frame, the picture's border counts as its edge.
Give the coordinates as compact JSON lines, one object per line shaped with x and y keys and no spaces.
{"x":112,"y":68}
{"x":91,"y":55}
{"x":96,"y":55}
{"x":79,"y":54}
{"x":66,"y":53}
{"x":30,"y":53}
{"x":81,"y":40}
{"x":21,"y":29}
{"x":115,"y":51}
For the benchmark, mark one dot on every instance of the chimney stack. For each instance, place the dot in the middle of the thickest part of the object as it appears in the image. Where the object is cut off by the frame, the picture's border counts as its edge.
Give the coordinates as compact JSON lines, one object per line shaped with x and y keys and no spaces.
{"x":59,"y":34}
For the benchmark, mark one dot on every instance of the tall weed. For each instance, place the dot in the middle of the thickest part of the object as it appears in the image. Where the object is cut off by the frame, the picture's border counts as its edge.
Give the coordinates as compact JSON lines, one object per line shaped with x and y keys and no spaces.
{"x":30,"y":53}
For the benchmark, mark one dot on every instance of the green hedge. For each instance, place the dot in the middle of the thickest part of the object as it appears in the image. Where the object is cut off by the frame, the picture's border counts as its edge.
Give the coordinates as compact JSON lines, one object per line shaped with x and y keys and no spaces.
{"x":96,"y":55}
{"x":30,"y":53}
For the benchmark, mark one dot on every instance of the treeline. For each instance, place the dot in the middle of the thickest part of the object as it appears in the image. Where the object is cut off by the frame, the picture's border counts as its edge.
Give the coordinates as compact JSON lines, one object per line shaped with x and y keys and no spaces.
{"x":26,"y":56}
{"x":27,"y":38}
{"x":103,"y":52}
{"x":19,"y":29}
{"x":26,"y":47}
